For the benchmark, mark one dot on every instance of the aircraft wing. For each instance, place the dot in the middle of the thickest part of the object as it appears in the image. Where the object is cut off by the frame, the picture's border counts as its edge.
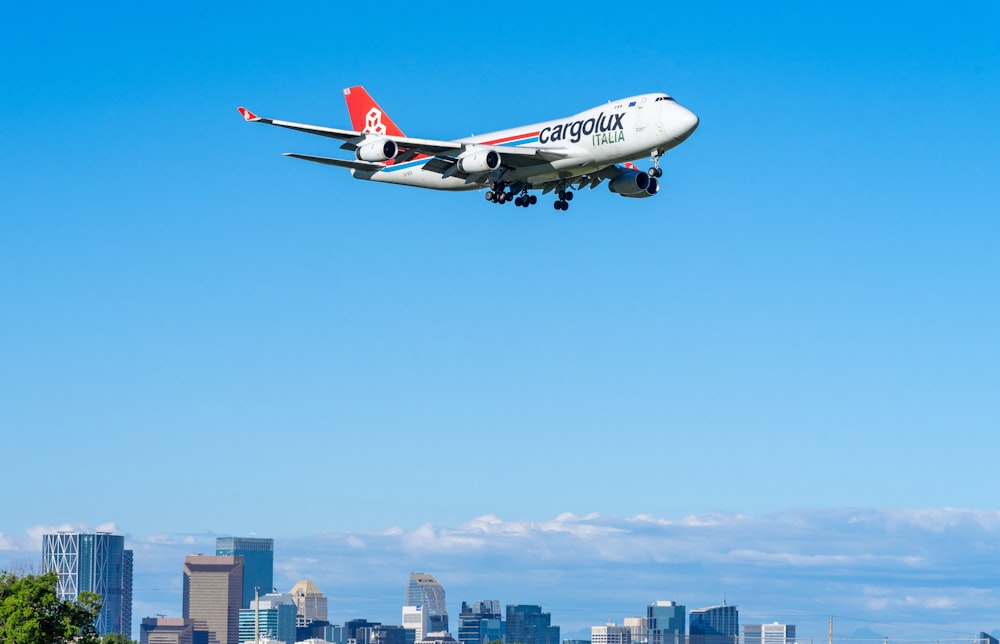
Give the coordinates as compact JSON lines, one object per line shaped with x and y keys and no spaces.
{"x":351,"y":138}
{"x":340,"y":163}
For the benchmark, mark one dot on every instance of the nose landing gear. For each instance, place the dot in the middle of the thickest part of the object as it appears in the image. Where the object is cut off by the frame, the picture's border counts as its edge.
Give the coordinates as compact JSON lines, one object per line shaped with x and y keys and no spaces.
{"x":655,"y":172}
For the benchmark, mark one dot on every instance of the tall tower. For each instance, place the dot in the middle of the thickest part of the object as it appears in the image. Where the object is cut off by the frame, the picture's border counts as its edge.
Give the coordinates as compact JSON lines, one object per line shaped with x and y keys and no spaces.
{"x":96,"y":563}
{"x":213,"y":593}
{"x":666,"y":622}
{"x":425,"y":591}
{"x":715,"y":625}
{"x":258,"y":563}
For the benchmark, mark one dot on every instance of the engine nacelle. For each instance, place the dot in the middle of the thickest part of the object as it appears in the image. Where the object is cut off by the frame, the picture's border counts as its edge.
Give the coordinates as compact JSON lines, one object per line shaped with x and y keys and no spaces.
{"x":377,"y":150}
{"x":635,"y":184}
{"x":479,"y":161}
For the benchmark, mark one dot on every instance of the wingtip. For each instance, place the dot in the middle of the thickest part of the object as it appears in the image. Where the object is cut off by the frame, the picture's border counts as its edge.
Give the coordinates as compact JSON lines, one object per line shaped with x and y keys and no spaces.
{"x":248,"y":115}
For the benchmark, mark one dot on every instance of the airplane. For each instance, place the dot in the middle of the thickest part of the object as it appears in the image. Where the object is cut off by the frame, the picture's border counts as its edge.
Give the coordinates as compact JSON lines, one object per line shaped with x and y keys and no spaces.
{"x":574,"y":152}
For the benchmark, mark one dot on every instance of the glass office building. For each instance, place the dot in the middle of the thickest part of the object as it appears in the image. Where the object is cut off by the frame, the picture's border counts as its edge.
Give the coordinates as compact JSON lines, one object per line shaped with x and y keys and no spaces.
{"x":715,"y":625}
{"x":258,"y":563}
{"x":97,"y":563}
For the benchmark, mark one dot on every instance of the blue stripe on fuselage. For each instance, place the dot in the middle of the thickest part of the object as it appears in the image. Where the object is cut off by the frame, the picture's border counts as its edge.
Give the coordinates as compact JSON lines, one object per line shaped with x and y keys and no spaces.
{"x":419,"y":162}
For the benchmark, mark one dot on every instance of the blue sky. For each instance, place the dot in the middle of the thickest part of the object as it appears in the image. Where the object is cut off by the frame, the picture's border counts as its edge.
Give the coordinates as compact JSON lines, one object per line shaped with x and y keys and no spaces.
{"x":199,"y":336}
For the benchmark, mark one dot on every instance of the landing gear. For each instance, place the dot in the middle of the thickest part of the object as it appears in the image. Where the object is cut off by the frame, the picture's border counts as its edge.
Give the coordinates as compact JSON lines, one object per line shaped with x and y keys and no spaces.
{"x":500,"y":194}
{"x":565,"y":196}
{"x":497,"y":194}
{"x":655,"y":172}
{"x":525,"y":199}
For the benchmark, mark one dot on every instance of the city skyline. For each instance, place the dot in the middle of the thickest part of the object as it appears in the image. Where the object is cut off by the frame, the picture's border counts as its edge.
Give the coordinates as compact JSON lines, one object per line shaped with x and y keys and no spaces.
{"x":884,"y":576}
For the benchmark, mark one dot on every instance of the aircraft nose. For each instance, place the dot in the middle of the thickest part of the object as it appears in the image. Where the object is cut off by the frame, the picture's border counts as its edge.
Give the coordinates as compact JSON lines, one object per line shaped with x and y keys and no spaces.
{"x":685,"y":122}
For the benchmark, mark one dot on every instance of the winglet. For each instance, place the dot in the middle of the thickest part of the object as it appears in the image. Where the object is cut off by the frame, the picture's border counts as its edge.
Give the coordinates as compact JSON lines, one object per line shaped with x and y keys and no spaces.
{"x":248,"y":115}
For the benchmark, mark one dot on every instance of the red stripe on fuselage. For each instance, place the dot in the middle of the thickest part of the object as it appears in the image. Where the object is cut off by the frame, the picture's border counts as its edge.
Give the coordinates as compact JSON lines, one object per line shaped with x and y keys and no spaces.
{"x":496,"y":142}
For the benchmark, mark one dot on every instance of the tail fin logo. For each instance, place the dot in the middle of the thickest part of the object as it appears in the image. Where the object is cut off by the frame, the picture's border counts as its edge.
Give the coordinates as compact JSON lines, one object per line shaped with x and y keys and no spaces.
{"x":373,"y":122}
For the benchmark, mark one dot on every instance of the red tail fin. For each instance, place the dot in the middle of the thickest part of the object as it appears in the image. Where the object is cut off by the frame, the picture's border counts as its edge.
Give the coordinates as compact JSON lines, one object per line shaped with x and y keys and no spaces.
{"x":366,"y":115}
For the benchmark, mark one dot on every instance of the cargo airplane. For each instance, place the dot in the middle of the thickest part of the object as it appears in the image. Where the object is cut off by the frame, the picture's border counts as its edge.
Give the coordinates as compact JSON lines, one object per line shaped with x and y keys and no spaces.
{"x":578,"y":151}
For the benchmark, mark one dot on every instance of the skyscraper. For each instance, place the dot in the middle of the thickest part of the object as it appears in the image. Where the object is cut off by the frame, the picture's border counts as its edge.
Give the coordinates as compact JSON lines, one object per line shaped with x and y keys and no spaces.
{"x":527,"y":624}
{"x":715,"y":625}
{"x":480,"y":623}
{"x":423,"y":590}
{"x":258,"y":563}
{"x":213,"y":593}
{"x":96,"y":563}
{"x":773,"y":633}
{"x":665,"y":620}
{"x":310,"y":603}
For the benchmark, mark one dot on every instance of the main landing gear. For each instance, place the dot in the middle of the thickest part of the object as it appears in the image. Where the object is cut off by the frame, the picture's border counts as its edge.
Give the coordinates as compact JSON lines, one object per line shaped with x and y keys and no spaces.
{"x":500,"y":194}
{"x":565,"y":196}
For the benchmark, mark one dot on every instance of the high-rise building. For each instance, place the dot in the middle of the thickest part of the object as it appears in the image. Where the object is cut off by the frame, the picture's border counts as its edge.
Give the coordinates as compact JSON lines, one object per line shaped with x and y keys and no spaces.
{"x":258,"y":563}
{"x":415,"y":619}
{"x":714,"y":625}
{"x":480,"y":623}
{"x":424,"y":590}
{"x":213,"y":594}
{"x":986,"y":638}
{"x":638,"y":627}
{"x":665,"y":621}
{"x":773,"y":633}
{"x":527,"y":624}
{"x":310,"y":603}
{"x":97,"y":563}
{"x":273,"y":615}
{"x":610,"y":633}
{"x":166,"y":630}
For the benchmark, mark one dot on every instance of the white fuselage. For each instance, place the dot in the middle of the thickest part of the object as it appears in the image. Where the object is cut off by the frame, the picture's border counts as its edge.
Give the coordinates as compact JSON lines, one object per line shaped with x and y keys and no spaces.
{"x":624,"y":130}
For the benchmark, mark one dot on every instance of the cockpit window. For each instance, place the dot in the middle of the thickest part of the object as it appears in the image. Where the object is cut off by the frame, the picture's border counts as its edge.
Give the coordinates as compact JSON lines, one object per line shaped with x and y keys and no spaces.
{"x":663,"y":98}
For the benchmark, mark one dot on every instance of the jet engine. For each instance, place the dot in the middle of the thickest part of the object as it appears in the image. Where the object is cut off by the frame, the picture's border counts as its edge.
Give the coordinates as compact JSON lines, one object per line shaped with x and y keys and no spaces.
{"x":378,"y":149}
{"x":635,"y":184}
{"x":479,"y":161}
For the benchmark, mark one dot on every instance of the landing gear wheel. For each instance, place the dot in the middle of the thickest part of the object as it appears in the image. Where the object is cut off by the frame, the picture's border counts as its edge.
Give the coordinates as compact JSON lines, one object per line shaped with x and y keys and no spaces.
{"x":490,"y":196}
{"x":532,"y":199}
{"x":519,"y":201}
{"x":568,"y":196}
{"x":655,"y":172}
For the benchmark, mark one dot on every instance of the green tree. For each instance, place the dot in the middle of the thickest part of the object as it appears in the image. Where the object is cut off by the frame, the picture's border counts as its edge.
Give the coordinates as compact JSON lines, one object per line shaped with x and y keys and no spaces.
{"x":116,"y":638}
{"x":32,"y":613}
